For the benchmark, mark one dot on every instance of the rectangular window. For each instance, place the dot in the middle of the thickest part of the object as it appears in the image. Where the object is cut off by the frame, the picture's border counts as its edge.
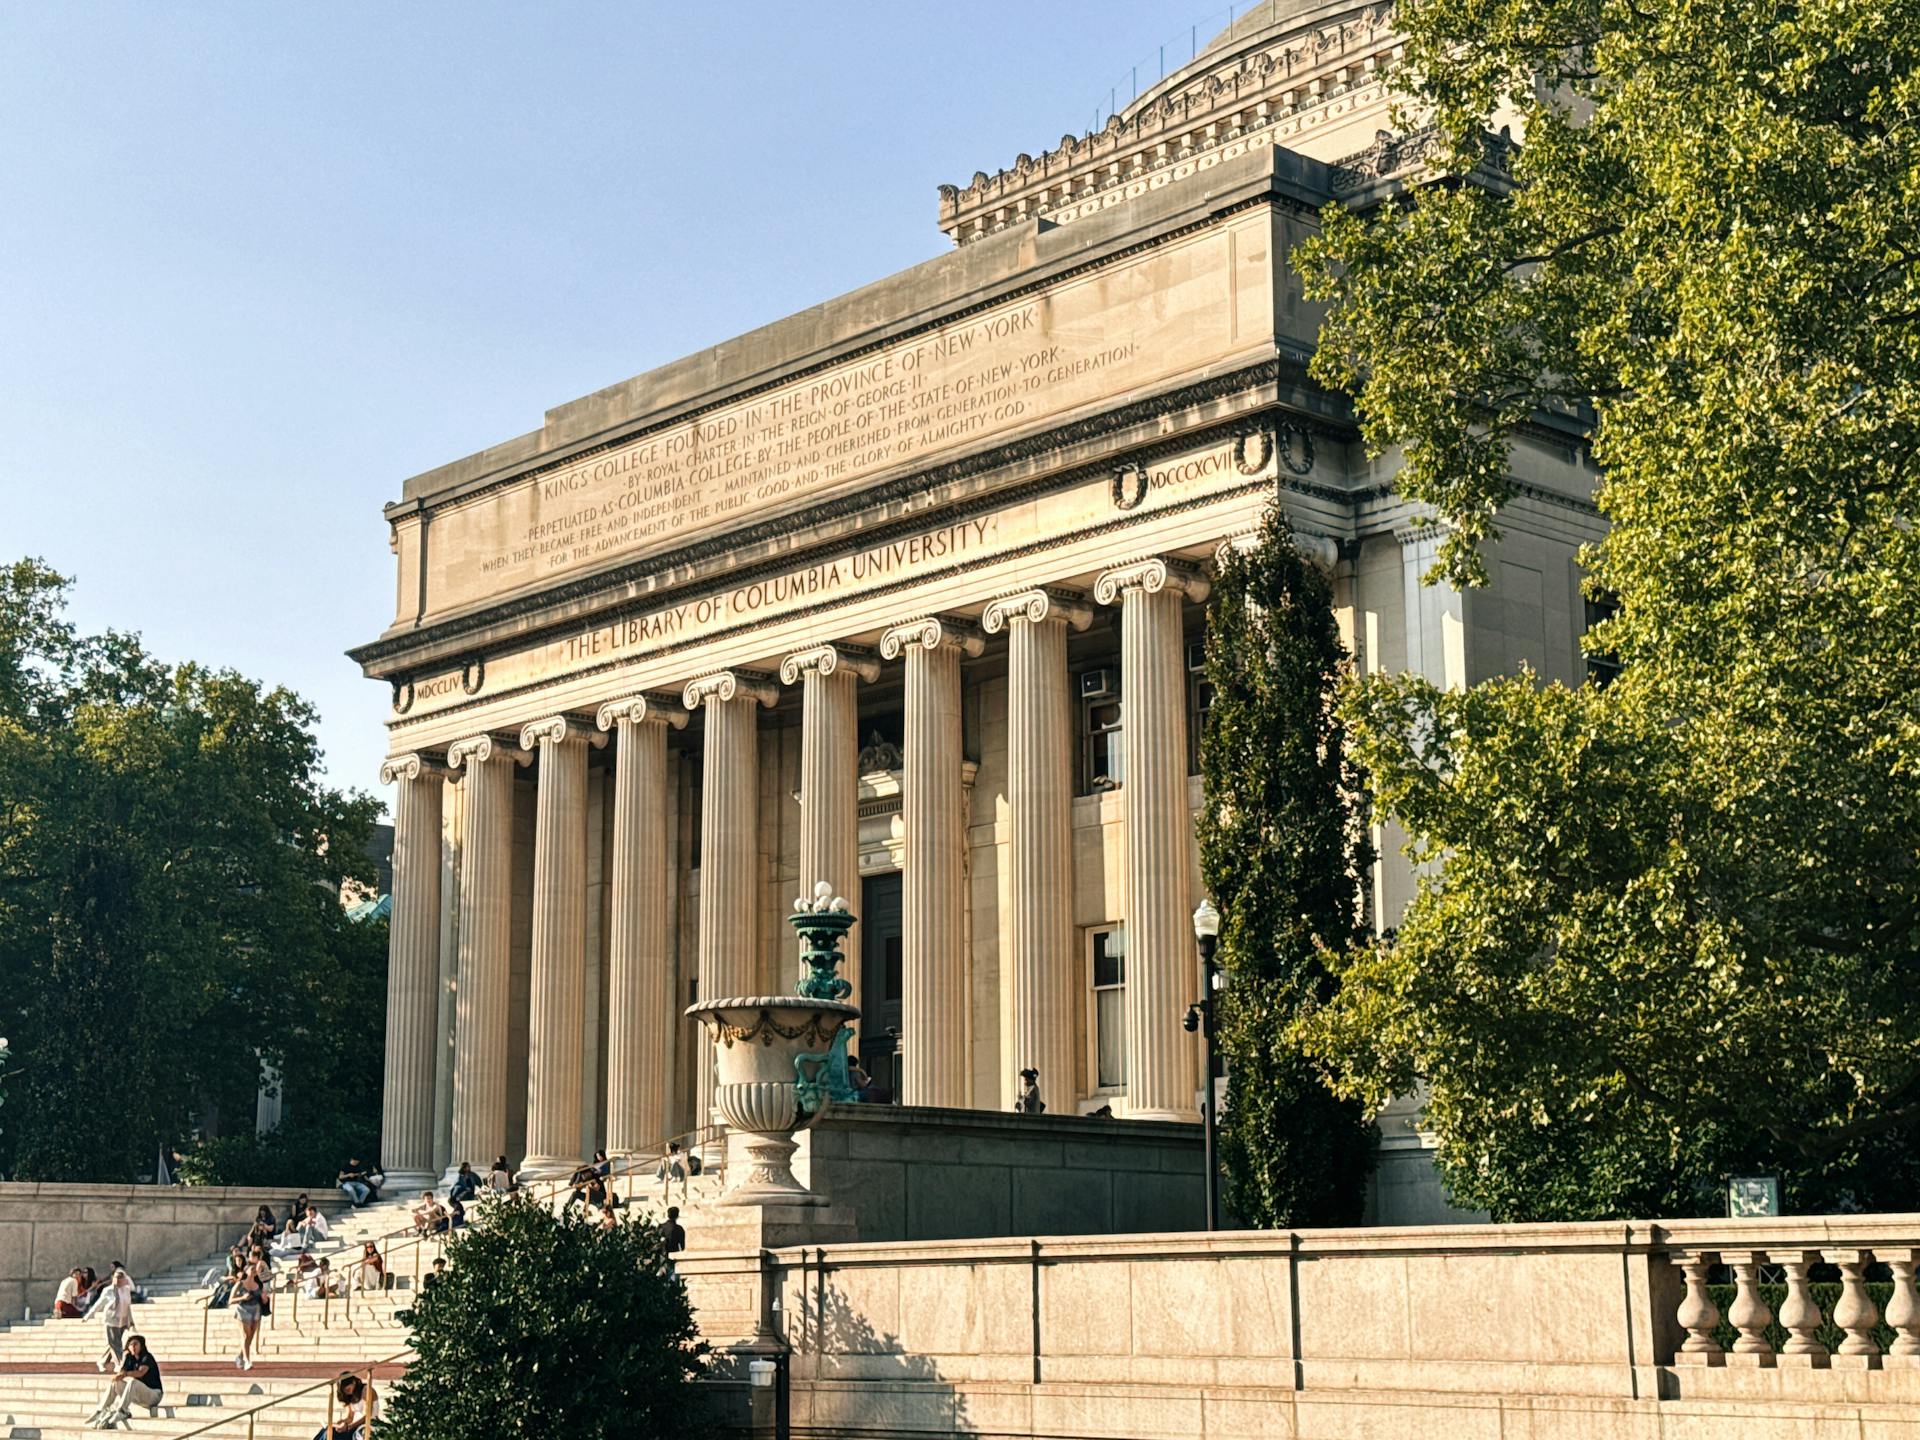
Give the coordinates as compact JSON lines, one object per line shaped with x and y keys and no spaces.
{"x":1109,"y":955}
{"x":1199,"y":702}
{"x":1602,"y":665}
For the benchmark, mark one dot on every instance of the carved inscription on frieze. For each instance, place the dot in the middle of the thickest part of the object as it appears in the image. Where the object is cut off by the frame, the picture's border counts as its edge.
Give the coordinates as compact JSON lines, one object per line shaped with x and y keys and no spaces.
{"x":995,"y":372}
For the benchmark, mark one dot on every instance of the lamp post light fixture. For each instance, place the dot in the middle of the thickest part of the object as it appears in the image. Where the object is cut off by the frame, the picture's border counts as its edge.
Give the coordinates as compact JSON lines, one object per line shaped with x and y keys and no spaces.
{"x":1202,"y":1016}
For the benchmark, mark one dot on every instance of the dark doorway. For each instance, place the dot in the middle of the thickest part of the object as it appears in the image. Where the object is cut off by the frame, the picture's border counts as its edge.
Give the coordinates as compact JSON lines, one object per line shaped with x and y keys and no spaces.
{"x":880,"y":981}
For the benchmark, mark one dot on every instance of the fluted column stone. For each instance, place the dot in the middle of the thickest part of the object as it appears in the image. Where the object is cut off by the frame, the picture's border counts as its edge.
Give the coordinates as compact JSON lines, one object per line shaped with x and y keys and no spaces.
{"x":933,"y":1010}
{"x":1042,"y":972}
{"x":557,"y":1010}
{"x":486,"y":902}
{"x":1162,"y":963}
{"x":641,"y":1021}
{"x":729,"y":962}
{"x":828,"y":676}
{"x":413,"y":971}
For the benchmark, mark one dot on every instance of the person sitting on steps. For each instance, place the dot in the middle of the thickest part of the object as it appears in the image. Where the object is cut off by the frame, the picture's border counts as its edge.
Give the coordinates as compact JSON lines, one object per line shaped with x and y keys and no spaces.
{"x":137,"y":1383}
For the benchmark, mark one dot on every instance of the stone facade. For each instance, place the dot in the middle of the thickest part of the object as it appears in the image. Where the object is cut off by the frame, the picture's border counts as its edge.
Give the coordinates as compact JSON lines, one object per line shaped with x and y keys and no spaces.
{"x":904,"y":593}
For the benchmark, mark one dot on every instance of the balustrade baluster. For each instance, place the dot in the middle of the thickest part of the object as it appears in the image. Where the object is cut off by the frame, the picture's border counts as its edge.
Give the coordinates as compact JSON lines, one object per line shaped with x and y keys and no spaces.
{"x":1855,"y":1313}
{"x":1698,"y":1315}
{"x":1903,"y":1310}
{"x":1749,"y":1313}
{"x":1799,"y":1313}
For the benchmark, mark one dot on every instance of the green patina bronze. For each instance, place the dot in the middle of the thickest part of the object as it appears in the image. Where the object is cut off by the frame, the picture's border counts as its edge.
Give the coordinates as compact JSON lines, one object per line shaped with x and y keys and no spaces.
{"x":825,"y":1075}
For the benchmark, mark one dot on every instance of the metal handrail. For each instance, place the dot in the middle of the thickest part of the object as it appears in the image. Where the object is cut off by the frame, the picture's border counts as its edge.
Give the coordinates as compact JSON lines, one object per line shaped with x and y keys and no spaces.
{"x":251,"y":1416}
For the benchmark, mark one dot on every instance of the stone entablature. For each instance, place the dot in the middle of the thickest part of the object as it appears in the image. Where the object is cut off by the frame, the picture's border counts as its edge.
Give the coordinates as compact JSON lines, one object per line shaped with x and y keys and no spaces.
{"x":1280,"y":86}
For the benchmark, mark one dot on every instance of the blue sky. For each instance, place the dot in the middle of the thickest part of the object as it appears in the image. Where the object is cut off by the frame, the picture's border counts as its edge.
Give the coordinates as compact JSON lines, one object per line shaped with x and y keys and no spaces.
{"x":259,"y":263}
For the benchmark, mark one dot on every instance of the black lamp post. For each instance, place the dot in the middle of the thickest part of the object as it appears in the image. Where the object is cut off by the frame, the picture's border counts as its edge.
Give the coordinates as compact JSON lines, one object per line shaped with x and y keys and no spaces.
{"x":1201,"y":1016}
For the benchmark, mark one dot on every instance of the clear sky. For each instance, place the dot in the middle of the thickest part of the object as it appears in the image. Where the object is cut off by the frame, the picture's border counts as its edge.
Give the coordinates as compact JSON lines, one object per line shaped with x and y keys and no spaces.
{"x":260,"y":263}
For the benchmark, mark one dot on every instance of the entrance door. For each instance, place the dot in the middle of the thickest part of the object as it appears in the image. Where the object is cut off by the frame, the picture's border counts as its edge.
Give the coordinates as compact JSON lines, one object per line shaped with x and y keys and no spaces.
{"x":880,"y":981}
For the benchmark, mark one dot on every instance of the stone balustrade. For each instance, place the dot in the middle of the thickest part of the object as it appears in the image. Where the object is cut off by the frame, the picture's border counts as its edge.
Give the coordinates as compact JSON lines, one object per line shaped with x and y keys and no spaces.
{"x":1707,"y":1328}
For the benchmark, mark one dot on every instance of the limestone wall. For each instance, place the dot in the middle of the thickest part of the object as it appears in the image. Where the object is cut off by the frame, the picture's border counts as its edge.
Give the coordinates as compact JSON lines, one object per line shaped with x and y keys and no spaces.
{"x":1538,"y":1331}
{"x":47,"y":1229}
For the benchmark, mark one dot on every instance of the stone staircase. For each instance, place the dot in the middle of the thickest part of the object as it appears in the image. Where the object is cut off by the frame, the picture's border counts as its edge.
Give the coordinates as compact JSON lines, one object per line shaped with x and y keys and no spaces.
{"x":49,"y":1386}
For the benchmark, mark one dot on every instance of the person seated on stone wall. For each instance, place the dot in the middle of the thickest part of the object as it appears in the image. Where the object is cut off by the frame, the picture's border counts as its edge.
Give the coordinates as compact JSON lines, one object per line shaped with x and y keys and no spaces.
{"x":297,"y":1206}
{"x":602,"y":1166}
{"x":466,"y":1184}
{"x":136,"y":1383}
{"x":353,"y":1181}
{"x":501,"y":1177}
{"x":67,"y":1299}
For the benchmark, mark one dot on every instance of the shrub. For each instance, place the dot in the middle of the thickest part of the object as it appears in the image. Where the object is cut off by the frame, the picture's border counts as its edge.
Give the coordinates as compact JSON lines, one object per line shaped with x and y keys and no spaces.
{"x":550,"y":1325}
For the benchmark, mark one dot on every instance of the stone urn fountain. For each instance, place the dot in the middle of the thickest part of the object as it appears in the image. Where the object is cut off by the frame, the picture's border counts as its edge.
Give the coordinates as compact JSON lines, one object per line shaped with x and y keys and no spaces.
{"x":780,"y":1059}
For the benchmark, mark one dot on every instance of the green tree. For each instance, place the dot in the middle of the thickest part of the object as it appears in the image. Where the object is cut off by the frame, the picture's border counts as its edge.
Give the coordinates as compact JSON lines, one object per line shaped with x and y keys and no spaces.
{"x":169,"y":873}
{"x":1669,"y":926}
{"x":1283,"y":855}
{"x":550,"y":1325}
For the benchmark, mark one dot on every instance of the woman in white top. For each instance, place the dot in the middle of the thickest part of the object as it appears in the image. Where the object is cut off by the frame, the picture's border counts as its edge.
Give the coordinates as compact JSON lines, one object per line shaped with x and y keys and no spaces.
{"x":114,"y":1310}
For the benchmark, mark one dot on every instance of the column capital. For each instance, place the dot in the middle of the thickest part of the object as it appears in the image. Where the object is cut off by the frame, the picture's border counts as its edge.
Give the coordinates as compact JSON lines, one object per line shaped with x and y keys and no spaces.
{"x":557,"y":729}
{"x":827,"y":660}
{"x":410,"y":766}
{"x":932,"y":632}
{"x":1033,"y":606}
{"x":478,"y":749}
{"x":728,"y":685}
{"x":1151,"y":576}
{"x":641,"y":708}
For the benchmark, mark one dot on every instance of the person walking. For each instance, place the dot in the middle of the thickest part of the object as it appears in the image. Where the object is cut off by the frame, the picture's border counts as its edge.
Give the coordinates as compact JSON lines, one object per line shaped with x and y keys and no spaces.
{"x":249,"y":1303}
{"x":137,"y":1383}
{"x":672,"y":1235}
{"x":114,"y":1310}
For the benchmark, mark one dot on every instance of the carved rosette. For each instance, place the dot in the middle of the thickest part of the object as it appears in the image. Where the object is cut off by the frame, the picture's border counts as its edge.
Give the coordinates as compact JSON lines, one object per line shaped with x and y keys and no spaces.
{"x":728,"y":685}
{"x":827,"y":660}
{"x":1151,"y":576}
{"x":1033,"y":606}
{"x":931,"y":632}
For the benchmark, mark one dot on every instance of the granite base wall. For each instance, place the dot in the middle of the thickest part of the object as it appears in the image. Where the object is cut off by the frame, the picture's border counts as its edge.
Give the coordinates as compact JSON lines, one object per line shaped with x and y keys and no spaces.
{"x":912,"y":1173}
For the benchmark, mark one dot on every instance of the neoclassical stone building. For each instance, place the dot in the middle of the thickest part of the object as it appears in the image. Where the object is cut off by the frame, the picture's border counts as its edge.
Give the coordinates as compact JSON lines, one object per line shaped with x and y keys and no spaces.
{"x":906,"y":592}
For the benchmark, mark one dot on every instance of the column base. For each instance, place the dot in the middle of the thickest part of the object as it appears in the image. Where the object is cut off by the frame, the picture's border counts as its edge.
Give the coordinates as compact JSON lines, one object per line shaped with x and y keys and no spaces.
{"x":1185,"y":1117}
{"x":407,"y":1182}
{"x":547,"y":1167}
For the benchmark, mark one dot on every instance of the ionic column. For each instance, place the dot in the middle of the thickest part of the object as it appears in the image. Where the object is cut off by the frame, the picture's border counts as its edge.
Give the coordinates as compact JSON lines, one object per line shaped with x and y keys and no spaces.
{"x":830,"y":776}
{"x":933,"y":887}
{"x":1158,"y":826}
{"x":486,"y":899}
{"x":558,"y":1005}
{"x":1041,"y":970}
{"x":729,"y":961}
{"x":641,"y":1022}
{"x":413,"y":971}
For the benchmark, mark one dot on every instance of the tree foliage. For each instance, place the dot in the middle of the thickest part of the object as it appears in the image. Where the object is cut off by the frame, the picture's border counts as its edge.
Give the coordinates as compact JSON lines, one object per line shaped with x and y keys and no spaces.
{"x":1283,"y":855}
{"x":169,"y":873}
{"x":550,"y":1325}
{"x":1669,"y":929}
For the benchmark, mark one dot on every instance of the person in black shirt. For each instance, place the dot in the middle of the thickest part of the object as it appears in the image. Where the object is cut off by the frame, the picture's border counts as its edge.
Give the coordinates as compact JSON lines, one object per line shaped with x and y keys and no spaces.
{"x":137,"y":1383}
{"x":672,"y":1235}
